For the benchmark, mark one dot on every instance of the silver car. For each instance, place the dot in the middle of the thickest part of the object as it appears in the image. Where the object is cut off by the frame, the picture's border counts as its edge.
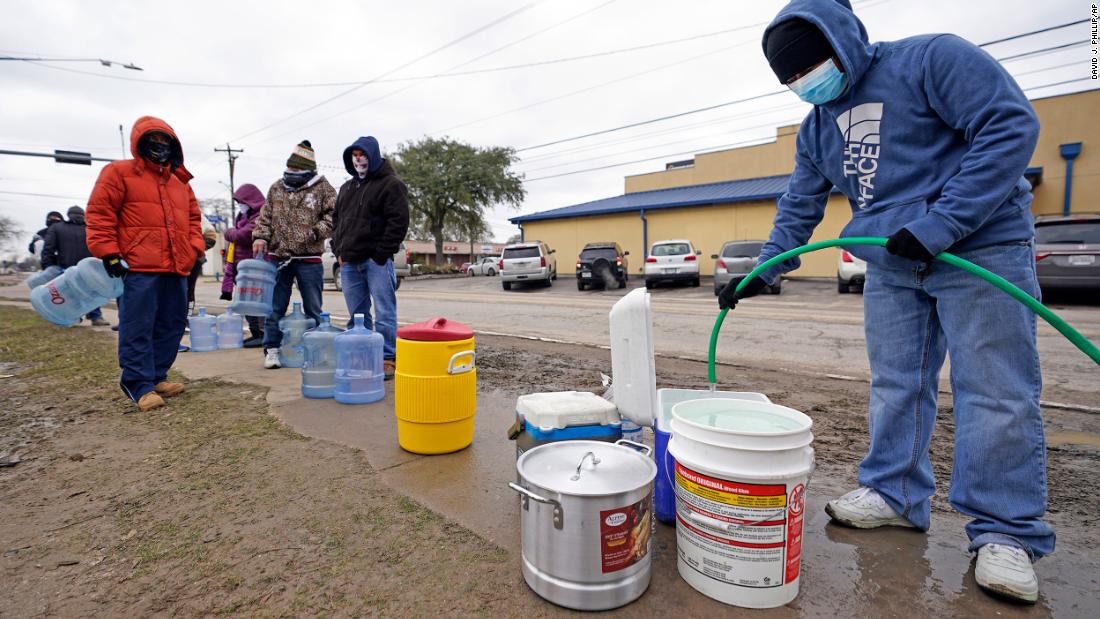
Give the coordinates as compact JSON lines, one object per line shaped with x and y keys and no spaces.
{"x":487,"y":265}
{"x":736,"y":260}
{"x":533,"y":261}
{"x":1067,"y":252}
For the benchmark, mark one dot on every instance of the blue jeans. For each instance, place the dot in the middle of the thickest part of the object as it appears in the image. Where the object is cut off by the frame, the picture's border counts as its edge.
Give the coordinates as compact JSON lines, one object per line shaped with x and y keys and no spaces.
{"x":150,"y":329}
{"x":310,"y":278}
{"x":365,"y":283}
{"x":912,"y":319}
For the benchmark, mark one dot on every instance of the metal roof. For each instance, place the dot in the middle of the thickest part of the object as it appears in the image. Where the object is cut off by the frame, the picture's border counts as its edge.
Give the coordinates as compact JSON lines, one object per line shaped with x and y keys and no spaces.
{"x":764,"y":188}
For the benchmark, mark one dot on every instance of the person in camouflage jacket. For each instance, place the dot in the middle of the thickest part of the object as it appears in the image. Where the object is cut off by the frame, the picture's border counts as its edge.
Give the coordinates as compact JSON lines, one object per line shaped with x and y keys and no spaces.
{"x":294,"y":222}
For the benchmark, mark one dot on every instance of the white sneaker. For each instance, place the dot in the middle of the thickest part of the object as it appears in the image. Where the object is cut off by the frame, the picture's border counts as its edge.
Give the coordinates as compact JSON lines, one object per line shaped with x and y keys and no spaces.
{"x":271,"y":360}
{"x":864,"y":509}
{"x":1007,"y":571}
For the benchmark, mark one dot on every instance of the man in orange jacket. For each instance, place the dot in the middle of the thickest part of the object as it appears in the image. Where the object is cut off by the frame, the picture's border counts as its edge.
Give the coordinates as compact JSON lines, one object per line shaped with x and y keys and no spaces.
{"x":144,"y":223}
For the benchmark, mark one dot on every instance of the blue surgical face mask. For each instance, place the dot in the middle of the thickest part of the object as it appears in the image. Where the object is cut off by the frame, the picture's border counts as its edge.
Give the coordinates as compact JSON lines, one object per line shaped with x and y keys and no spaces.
{"x":822,"y":85}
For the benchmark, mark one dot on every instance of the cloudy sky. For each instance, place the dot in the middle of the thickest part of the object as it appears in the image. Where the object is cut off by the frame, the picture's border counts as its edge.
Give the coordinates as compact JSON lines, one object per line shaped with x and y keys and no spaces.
{"x":264,"y":75}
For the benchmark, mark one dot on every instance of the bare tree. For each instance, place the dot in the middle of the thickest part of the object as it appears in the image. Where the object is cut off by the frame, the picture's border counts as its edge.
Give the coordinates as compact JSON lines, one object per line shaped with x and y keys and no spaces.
{"x":9,"y":230}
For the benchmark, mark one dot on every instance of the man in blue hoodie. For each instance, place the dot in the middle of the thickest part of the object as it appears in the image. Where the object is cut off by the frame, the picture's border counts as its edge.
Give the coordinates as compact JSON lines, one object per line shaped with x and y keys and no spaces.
{"x":370,"y":222}
{"x":928,"y":137}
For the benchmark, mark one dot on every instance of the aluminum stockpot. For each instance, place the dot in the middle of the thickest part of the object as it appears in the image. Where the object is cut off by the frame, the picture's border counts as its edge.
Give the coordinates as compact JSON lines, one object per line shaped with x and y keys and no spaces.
{"x":586,"y":521}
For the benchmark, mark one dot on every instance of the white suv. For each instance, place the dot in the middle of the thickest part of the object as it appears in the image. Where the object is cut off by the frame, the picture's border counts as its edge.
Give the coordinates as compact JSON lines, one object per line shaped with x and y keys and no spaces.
{"x":672,"y":261}
{"x":527,"y":262}
{"x":851,"y":273}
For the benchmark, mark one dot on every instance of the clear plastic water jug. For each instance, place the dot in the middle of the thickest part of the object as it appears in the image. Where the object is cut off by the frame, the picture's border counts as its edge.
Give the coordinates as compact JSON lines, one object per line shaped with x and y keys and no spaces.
{"x":359,"y":374}
{"x":293,"y":326}
{"x":230,"y":330}
{"x":204,"y":332}
{"x":319,"y":369}
{"x":75,"y":292}
{"x":41,"y":277}
{"x":255,"y":285}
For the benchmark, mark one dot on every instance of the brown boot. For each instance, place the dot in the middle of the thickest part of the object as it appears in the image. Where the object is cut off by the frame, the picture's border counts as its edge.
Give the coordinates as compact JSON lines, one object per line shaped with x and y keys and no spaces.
{"x":389,"y":366}
{"x":168,"y":389}
{"x":149,"y":401}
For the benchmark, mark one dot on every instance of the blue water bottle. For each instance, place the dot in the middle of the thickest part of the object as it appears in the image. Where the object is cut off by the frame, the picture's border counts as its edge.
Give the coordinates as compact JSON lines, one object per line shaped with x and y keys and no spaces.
{"x":74,"y":293}
{"x":43,"y":276}
{"x":204,"y":332}
{"x":359,"y":374}
{"x":293,"y":326}
{"x":254,"y":287}
{"x":319,"y":369}
{"x":230,"y":330}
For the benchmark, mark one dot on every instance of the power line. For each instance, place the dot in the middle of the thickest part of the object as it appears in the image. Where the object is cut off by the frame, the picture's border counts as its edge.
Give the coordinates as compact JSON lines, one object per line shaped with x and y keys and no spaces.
{"x":1034,"y":32}
{"x":1040,"y":52}
{"x":453,"y":42}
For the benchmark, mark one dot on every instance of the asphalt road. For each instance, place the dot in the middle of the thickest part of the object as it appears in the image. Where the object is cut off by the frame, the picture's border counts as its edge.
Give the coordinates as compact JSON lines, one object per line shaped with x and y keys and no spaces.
{"x":809,"y":328}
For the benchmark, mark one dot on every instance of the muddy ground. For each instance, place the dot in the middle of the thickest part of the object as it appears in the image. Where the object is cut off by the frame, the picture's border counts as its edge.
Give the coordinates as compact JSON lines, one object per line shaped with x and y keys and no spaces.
{"x":211,"y":506}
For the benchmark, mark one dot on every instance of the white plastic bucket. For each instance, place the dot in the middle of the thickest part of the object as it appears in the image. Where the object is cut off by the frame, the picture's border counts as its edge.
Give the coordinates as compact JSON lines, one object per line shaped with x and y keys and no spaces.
{"x":741,"y":473}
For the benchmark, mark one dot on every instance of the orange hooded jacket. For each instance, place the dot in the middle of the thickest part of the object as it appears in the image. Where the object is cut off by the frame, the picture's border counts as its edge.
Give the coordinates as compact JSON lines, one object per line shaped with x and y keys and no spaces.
{"x":146,"y":213}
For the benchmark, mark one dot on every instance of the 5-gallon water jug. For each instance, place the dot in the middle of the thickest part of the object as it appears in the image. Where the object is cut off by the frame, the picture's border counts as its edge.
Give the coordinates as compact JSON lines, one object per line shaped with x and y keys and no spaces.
{"x":255,"y":284}
{"x":41,"y":277}
{"x":204,"y":332}
{"x":319,"y":369}
{"x":359,"y":374}
{"x":75,"y":292}
{"x":293,"y":326}
{"x":230,"y":330}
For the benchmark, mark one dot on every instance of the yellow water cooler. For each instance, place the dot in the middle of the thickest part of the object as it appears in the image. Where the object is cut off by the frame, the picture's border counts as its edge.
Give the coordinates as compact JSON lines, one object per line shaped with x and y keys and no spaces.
{"x":436,"y":387}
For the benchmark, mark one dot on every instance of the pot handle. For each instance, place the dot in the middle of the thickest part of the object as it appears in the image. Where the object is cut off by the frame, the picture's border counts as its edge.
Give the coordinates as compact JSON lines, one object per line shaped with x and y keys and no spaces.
{"x":645,"y":449}
{"x":525,"y":495}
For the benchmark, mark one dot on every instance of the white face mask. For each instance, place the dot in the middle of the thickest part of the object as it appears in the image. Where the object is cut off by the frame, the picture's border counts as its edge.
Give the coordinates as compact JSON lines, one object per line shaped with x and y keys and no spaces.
{"x":360,"y":163}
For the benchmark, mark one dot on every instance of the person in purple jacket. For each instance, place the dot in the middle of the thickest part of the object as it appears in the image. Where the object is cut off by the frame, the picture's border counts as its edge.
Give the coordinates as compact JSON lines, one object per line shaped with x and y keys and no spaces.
{"x":249,"y":198}
{"x":928,"y":138}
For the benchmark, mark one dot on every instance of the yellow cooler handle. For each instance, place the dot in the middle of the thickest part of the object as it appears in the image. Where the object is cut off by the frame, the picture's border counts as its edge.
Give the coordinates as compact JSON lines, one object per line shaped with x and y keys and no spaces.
{"x":466,"y":367}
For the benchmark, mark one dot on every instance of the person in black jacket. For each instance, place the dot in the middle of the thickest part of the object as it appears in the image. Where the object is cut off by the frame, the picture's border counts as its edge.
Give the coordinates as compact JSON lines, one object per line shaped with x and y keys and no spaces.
{"x":65,"y":245}
{"x":370,"y":222}
{"x":53,"y":217}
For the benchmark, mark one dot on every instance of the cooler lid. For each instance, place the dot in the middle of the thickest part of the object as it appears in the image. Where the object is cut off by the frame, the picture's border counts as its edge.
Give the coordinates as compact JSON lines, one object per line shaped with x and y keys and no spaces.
{"x":586,"y":468}
{"x":436,"y":330}
{"x":562,"y":409}
{"x":634,"y":376}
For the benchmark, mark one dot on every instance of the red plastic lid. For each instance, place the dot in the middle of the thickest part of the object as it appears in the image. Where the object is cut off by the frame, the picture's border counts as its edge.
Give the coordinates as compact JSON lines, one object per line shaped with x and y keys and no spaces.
{"x":436,"y":330}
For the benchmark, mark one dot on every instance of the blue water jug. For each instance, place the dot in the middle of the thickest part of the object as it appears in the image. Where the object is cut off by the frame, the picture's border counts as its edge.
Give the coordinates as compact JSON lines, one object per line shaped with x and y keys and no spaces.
{"x":254,"y":287}
{"x":359,"y":373}
{"x":77,"y":291}
{"x":204,"y":332}
{"x":319,"y":368}
{"x":230,"y":330}
{"x":293,"y":326}
{"x":41,"y":277}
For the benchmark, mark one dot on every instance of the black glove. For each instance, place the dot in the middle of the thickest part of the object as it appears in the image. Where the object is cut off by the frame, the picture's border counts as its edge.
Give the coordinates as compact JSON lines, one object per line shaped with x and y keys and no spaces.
{"x":226,"y":296}
{"x":380,"y":259}
{"x":904,"y":244}
{"x":115,"y":265}
{"x":727,"y":298}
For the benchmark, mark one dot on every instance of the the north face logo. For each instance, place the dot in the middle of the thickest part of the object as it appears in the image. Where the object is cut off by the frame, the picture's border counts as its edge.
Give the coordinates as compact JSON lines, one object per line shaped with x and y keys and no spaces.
{"x":861,"y":128}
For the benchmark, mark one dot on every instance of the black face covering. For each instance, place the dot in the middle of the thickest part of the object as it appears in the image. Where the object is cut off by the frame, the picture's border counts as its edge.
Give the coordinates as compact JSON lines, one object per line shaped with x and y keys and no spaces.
{"x":154,"y":151}
{"x":294,"y":180}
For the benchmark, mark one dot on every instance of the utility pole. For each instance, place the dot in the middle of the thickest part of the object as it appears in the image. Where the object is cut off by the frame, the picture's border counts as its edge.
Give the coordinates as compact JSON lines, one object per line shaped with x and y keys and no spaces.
{"x":230,"y":154}
{"x":122,"y":140}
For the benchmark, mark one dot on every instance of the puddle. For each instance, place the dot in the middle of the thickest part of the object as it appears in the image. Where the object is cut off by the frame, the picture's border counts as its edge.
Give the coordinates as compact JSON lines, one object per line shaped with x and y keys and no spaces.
{"x":1057,"y":439}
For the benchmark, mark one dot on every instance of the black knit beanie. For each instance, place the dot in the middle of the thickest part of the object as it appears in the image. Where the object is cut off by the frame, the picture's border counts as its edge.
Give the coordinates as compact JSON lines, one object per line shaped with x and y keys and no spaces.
{"x":795,"y":45}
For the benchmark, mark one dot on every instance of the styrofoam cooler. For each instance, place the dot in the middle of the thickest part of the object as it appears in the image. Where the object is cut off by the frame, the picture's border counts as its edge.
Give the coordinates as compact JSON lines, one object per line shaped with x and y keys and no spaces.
{"x":543,"y":418}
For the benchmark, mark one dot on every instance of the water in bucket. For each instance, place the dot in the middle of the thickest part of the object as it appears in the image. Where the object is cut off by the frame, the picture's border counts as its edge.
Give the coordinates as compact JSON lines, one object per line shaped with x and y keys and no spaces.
{"x":319,"y":369}
{"x":293,"y":326}
{"x":74,"y":293}
{"x":359,"y":374}
{"x":43,"y":276}
{"x":255,"y":285}
{"x":204,"y":331}
{"x":230,"y":330}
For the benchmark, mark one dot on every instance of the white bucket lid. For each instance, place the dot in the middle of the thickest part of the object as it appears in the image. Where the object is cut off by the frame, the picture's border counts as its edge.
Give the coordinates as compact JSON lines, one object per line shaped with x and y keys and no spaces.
{"x":562,"y":409}
{"x":605,"y":468}
{"x":742,"y":424}
{"x":634,"y":375}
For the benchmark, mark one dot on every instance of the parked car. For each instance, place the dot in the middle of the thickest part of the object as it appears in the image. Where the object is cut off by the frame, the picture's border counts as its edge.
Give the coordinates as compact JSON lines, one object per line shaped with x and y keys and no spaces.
{"x":332,"y":268}
{"x":736,"y":260}
{"x":533,"y":261}
{"x":672,"y":261}
{"x":1067,"y":251}
{"x":851,"y":273}
{"x":486,"y":266}
{"x":601,"y":264}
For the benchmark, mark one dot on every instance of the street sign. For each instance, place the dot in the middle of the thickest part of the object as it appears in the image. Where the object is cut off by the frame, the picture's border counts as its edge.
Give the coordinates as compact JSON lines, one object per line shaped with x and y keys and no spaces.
{"x":72,"y":156}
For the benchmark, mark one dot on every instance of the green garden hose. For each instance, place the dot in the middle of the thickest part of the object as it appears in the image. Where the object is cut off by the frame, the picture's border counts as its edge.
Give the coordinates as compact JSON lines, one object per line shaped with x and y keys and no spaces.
{"x":1073,"y":335}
